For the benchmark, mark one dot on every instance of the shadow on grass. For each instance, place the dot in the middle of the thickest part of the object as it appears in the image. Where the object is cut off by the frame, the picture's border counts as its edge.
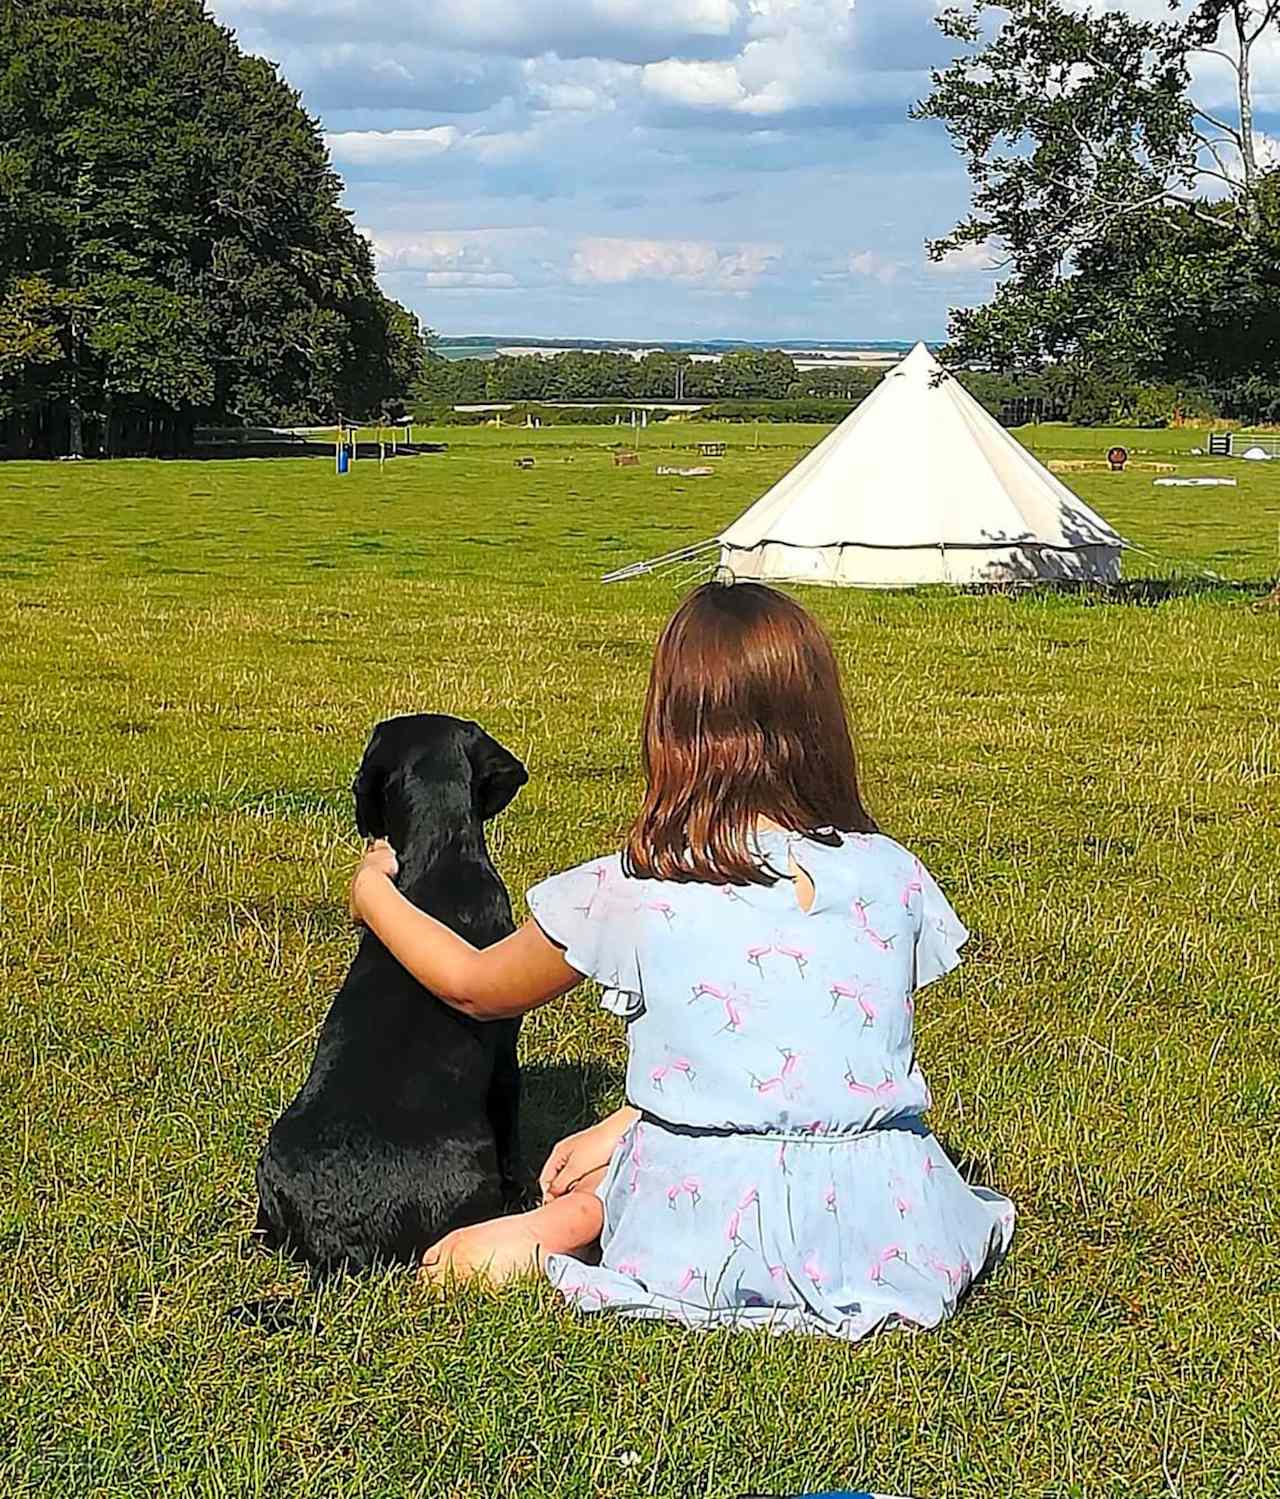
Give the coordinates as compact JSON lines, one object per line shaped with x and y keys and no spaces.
{"x":559,"y":1098}
{"x":1141,"y":592}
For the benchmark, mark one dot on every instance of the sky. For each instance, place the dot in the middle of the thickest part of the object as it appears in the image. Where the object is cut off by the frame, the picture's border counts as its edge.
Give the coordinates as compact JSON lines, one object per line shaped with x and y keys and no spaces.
{"x":643,"y":169}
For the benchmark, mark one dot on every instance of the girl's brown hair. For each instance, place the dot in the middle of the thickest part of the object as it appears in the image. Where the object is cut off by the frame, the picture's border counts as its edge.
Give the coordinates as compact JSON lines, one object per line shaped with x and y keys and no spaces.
{"x":744,"y":719}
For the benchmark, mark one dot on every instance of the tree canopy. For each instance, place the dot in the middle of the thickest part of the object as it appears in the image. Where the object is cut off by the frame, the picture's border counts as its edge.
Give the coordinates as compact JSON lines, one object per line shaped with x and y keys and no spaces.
{"x":1140,"y":232}
{"x":172,"y":244}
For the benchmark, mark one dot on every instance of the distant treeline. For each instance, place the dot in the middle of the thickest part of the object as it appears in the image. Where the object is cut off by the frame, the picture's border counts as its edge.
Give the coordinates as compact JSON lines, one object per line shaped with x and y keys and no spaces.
{"x":592,"y":375}
{"x":764,"y":384}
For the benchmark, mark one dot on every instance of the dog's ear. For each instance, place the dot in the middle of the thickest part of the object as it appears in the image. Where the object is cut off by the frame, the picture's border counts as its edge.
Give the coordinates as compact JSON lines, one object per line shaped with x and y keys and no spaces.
{"x":368,"y":791}
{"x":496,"y":774}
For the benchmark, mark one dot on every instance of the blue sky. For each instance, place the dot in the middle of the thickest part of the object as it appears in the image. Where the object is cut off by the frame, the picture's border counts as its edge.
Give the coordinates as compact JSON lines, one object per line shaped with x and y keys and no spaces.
{"x":639,"y":168}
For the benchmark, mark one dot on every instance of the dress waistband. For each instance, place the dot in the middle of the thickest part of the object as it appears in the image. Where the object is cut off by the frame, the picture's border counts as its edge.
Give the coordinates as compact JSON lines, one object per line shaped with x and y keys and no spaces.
{"x":778,"y":1136}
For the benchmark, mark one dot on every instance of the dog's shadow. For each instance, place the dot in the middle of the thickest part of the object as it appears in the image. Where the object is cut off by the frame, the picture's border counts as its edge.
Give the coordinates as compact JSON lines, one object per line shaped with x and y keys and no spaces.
{"x":558,"y":1098}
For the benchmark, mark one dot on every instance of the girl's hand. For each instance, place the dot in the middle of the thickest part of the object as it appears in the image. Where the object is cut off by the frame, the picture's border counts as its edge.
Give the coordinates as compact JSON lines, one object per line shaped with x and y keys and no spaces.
{"x":579,"y":1155}
{"x":379,"y":862}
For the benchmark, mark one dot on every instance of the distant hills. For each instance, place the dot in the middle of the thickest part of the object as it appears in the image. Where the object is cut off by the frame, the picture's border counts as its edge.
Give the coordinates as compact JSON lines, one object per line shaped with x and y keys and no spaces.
{"x":486,"y":346}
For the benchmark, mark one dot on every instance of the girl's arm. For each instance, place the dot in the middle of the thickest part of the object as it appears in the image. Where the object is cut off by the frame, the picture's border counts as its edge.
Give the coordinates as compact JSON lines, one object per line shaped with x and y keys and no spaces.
{"x":519,"y":973}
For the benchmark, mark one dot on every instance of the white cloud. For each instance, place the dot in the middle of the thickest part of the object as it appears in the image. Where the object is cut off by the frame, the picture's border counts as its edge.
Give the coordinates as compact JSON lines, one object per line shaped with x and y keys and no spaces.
{"x":578,"y":85}
{"x":868,"y":263}
{"x":574,"y":97}
{"x":370,"y":147}
{"x":471,"y":259}
{"x":968,"y":260}
{"x":497,"y":148}
{"x":696,"y":262}
{"x":389,"y":147}
{"x":797,"y":54}
{"x":695,"y":85}
{"x":470,"y":281}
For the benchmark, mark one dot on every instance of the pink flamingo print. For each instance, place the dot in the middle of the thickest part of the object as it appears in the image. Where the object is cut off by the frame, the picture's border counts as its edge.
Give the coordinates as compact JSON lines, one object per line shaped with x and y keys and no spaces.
{"x":682,"y":1065}
{"x":627,"y":1267}
{"x":930,"y":1165}
{"x":729,"y":893}
{"x":754,"y":955}
{"x":732,"y":1014}
{"x":798,"y":955}
{"x":777,"y":1272}
{"x":734,"y":1230}
{"x":600,"y":875}
{"x":690,"y":1185}
{"x":863,"y":923}
{"x":790,"y":1061}
{"x":865,"y":1090}
{"x":813,"y":1269}
{"x":637,"y":1159}
{"x":663,"y":908}
{"x":830,"y":1199}
{"x":903,"y":1205}
{"x":585,"y":1292}
{"x":953,"y":1275}
{"x":857,"y":993}
{"x":893,"y":1252}
{"x":688,"y":1278}
{"x":913,"y":885}
{"x":876,"y":1274}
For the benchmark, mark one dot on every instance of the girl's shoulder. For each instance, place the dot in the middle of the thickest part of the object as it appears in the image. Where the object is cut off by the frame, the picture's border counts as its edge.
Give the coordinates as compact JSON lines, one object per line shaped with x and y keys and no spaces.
{"x":856,"y":853}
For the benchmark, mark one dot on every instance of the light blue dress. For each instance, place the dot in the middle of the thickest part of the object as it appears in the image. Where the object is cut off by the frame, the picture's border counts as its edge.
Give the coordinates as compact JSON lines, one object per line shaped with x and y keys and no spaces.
{"x":781,"y":1174}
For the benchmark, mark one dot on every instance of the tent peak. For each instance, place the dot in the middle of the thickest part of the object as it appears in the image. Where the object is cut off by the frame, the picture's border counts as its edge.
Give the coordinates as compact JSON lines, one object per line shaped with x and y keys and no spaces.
{"x":920,"y":358}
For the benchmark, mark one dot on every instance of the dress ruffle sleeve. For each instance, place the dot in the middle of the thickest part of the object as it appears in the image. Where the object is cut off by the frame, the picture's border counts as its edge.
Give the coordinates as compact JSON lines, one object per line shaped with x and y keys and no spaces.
{"x":940,"y":934}
{"x":587,"y":912}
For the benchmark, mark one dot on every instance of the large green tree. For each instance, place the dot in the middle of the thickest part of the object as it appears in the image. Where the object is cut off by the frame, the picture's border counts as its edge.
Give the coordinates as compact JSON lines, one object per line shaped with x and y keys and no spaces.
{"x":172,"y":242}
{"x":1139,"y":231}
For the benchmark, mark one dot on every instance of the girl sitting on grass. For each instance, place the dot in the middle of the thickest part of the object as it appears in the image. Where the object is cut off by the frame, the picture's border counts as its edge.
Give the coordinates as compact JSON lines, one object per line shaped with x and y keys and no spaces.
{"x":764,"y":944}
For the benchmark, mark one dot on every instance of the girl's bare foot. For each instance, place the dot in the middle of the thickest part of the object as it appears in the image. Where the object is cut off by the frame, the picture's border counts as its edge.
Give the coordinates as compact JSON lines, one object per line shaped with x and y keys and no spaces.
{"x":498,"y":1252}
{"x":504,"y":1248}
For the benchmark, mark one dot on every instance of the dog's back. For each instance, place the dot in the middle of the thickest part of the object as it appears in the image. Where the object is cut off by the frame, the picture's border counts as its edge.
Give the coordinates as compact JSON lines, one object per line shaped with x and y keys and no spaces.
{"x":406,"y":1125}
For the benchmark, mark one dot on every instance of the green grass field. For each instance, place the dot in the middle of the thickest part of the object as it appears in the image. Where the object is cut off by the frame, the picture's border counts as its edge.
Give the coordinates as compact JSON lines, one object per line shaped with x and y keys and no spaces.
{"x":192,"y":656}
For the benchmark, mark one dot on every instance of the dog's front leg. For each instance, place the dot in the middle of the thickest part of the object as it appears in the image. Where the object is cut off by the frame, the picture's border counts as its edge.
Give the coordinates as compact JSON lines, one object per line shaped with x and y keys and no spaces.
{"x":504,"y":1114}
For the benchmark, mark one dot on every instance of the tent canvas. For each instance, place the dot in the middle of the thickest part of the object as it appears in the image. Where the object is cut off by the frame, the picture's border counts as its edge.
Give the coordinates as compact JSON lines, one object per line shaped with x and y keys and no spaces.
{"x":920,"y":484}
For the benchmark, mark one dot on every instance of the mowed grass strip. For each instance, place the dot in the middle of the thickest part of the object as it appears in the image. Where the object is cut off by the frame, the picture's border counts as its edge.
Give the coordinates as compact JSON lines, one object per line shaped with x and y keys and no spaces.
{"x":192,"y":655}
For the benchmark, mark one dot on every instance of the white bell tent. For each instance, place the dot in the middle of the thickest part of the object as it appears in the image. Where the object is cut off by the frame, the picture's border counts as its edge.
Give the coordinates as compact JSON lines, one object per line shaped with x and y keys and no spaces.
{"x":920,"y":484}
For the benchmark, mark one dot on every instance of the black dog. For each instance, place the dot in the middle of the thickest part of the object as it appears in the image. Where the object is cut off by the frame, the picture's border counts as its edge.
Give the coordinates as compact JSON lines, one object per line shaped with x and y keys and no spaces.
{"x":406,"y":1125}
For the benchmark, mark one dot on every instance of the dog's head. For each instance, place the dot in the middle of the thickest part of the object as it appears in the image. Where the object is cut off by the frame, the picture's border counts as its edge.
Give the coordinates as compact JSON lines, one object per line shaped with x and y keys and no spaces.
{"x":430,"y":769}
